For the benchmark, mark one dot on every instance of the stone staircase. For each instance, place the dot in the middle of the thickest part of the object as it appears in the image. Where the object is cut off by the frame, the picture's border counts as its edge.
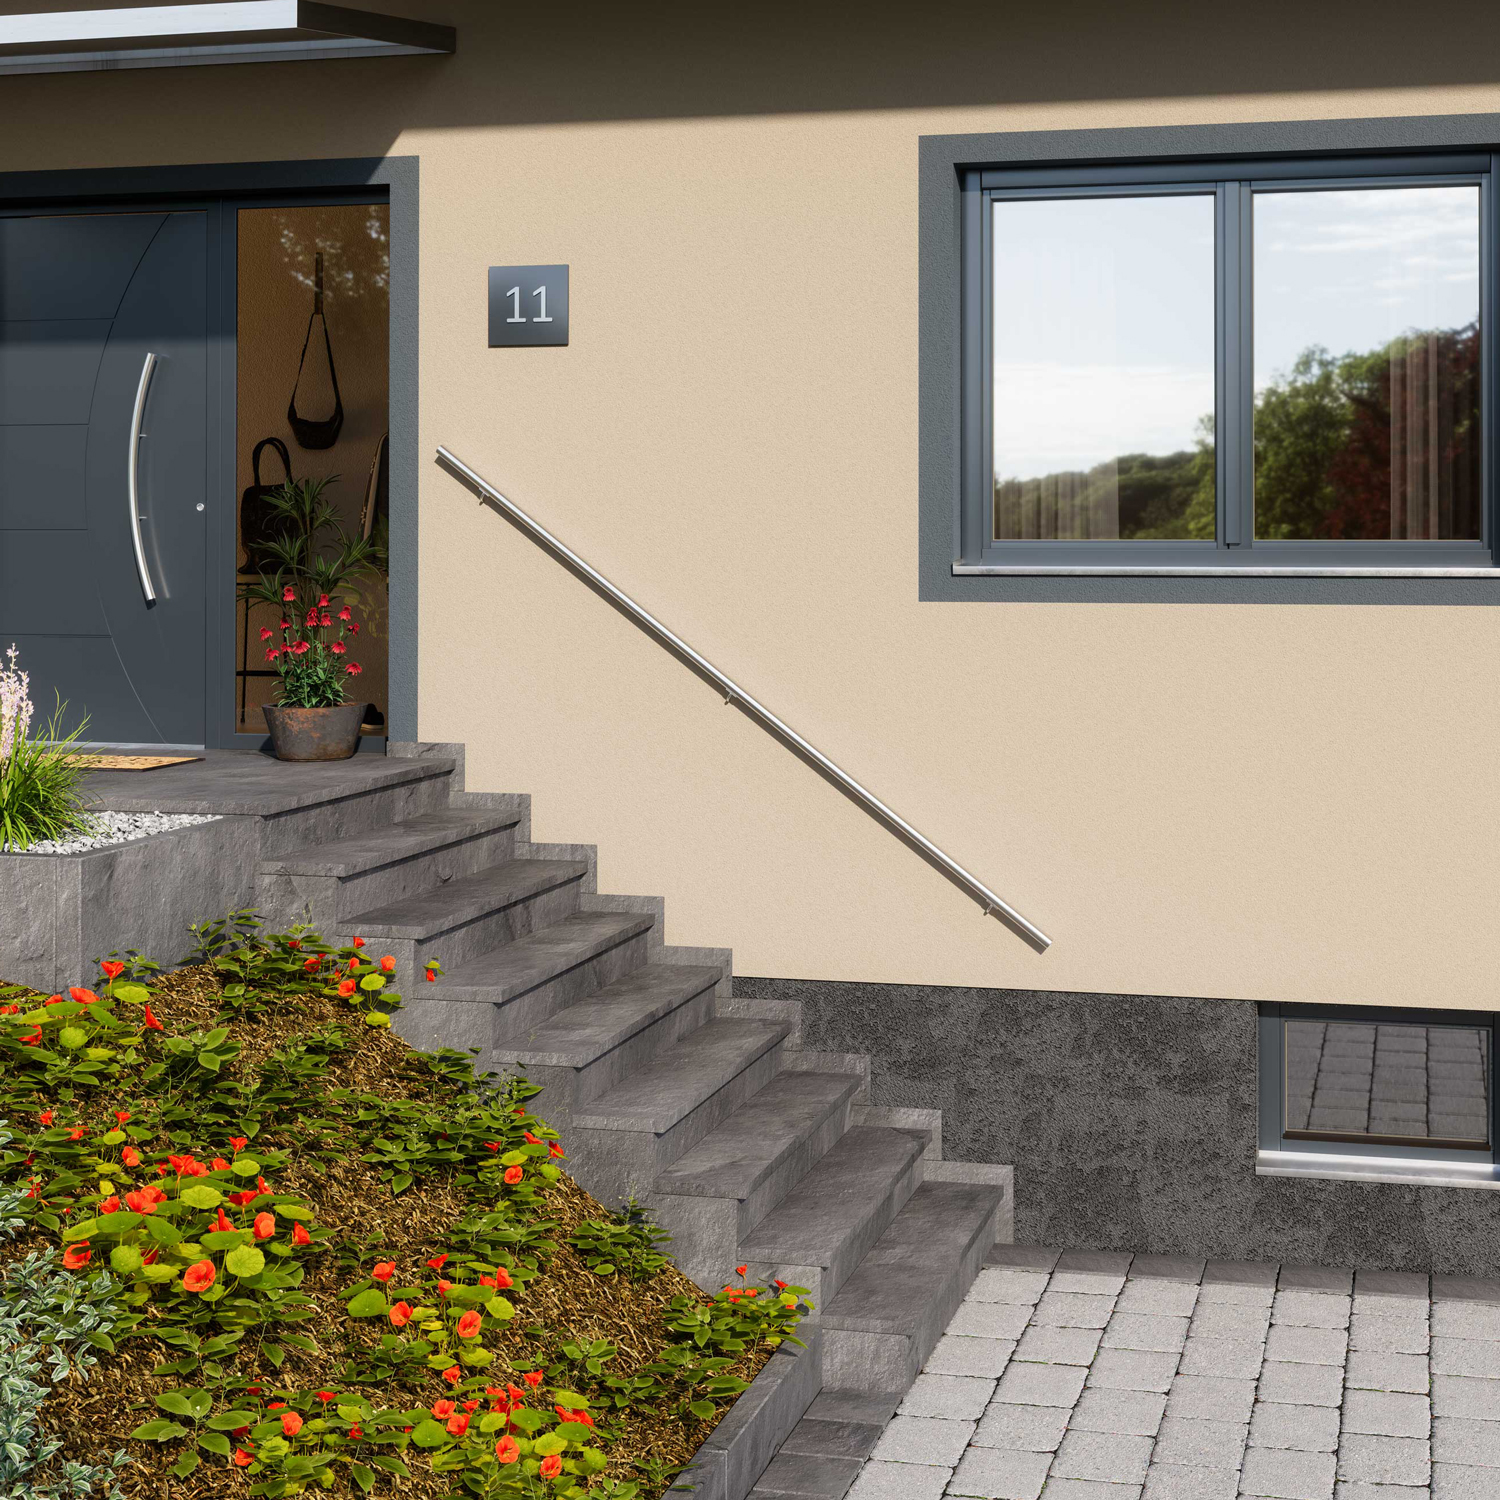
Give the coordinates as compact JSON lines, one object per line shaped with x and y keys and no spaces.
{"x":746,"y":1148}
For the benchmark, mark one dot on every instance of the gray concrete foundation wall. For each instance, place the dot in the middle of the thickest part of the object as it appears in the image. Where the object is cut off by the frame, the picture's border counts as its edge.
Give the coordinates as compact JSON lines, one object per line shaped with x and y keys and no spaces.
{"x":1131,"y":1123}
{"x":60,"y":912}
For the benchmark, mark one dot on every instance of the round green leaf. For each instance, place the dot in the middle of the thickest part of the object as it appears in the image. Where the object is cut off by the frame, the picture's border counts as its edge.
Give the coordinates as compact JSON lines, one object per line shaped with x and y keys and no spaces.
{"x":369,"y":1303}
{"x":372,"y":982}
{"x":125,"y":1259}
{"x":573,"y":1432}
{"x":245,"y":1261}
{"x":429,"y":1434}
{"x":499,"y":1307}
{"x":243,"y":1166}
{"x":550,"y":1443}
{"x":200,"y":1195}
{"x":72,"y":1037}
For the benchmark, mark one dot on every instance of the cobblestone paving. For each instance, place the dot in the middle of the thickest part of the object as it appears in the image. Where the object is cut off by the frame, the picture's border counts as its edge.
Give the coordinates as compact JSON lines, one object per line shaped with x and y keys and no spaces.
{"x":1095,"y":1377}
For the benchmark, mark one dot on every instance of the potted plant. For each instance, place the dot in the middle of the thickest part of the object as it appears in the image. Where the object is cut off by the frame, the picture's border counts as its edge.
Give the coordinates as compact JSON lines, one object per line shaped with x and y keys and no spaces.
{"x":314,"y":717}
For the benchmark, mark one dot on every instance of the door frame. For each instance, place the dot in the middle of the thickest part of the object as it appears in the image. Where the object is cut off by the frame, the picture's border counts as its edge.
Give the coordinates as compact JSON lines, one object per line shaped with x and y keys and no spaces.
{"x":220,"y":190}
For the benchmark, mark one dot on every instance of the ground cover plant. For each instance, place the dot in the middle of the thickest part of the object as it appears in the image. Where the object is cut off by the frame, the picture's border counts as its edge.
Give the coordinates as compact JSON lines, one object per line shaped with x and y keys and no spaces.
{"x":40,"y":773}
{"x":253,"y":1244}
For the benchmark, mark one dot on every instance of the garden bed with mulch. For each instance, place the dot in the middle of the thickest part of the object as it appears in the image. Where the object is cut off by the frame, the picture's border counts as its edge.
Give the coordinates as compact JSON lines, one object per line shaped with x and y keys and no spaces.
{"x":259,"y":1246}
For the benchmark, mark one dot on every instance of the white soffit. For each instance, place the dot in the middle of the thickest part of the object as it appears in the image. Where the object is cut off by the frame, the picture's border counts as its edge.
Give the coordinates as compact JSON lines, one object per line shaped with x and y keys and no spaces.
{"x":163,"y":36}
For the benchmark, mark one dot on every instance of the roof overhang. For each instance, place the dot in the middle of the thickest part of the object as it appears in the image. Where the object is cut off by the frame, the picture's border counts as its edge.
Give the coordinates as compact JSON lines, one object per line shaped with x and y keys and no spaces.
{"x":162,"y":36}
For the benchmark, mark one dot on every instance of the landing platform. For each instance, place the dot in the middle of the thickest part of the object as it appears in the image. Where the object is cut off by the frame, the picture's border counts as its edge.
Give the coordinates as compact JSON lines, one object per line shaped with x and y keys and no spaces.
{"x":249,"y":782}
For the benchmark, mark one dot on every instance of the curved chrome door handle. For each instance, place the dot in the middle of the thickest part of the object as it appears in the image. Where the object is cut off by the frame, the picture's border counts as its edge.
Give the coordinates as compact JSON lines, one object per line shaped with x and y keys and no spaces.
{"x":133,"y":488}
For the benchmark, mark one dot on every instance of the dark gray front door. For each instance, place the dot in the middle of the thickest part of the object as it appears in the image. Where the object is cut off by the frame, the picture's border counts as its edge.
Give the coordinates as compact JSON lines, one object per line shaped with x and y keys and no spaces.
{"x":84,"y":300}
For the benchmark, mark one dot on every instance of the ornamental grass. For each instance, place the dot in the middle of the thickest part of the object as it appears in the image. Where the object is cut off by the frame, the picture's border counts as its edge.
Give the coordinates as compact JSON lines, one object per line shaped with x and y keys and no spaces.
{"x":311,"y":1259}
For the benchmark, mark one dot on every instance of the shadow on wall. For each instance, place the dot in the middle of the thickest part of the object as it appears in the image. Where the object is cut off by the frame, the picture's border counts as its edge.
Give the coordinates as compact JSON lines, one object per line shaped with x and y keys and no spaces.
{"x":1131,"y":1123}
{"x":524,"y":65}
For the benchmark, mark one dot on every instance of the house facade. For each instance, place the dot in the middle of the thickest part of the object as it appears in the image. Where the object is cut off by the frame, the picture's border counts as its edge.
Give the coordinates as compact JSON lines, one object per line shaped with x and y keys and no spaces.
{"x":1077,"y":424}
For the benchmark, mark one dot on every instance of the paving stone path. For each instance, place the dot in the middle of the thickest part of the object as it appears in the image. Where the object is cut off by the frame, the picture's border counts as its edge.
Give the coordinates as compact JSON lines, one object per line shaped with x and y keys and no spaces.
{"x":1088,"y":1376}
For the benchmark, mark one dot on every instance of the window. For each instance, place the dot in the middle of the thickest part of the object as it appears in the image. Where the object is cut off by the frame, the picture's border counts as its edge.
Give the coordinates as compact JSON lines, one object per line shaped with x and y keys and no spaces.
{"x":1402,"y":1085}
{"x":1267,"y":365}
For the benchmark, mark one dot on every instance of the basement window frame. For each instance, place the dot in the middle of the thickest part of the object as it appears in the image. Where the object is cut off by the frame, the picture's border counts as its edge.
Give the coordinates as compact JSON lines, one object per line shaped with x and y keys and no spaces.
{"x":1235,"y":550}
{"x":1303,"y":1154}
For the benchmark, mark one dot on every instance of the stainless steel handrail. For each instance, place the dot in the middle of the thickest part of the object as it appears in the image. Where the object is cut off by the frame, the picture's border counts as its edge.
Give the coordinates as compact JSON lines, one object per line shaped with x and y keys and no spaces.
{"x":133,"y":497}
{"x":734,"y":693}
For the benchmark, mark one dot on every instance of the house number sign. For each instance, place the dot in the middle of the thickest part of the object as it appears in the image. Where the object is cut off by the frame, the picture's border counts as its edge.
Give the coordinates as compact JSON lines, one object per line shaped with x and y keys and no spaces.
{"x":528,"y":306}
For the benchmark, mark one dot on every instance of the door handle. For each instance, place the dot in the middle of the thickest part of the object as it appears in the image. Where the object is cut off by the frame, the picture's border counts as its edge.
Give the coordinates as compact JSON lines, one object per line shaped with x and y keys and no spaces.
{"x":133,"y":496}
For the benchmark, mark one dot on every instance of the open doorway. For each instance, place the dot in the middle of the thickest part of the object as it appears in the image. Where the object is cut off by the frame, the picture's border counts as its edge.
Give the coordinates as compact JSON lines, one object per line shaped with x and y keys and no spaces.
{"x":312,"y":369}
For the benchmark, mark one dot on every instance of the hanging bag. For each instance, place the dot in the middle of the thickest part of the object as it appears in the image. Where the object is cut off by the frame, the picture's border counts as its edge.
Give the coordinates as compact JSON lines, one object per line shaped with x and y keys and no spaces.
{"x":307,"y":433}
{"x":258,"y":527}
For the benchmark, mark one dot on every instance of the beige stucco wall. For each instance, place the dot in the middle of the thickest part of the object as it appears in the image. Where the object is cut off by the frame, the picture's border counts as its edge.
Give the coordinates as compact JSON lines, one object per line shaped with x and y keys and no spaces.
{"x":1277,"y":802}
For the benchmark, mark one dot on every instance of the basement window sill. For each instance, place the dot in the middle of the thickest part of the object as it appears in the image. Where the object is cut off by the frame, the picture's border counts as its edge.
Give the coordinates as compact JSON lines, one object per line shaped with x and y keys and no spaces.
{"x":1331,"y":1168}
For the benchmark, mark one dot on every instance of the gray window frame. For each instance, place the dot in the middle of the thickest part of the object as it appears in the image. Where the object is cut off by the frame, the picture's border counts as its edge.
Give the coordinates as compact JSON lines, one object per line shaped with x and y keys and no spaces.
{"x":1272,"y":1081}
{"x":1232,"y":184}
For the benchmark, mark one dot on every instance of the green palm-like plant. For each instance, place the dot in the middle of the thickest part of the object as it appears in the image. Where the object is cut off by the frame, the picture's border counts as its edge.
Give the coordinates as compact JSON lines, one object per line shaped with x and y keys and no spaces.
{"x":313,"y":552}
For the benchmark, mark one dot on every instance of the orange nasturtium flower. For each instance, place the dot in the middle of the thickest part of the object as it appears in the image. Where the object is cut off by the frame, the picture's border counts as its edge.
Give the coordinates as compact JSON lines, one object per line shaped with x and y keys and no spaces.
{"x":291,"y":1424}
{"x":401,"y":1314}
{"x":383,"y":1270}
{"x":551,"y":1466}
{"x":347,"y":988}
{"x":198,"y":1278}
{"x":507,"y":1450}
{"x":76,"y":1257}
{"x":514,"y":1174}
{"x":111,"y":970}
{"x":265,"y":1226}
{"x":468,"y":1325}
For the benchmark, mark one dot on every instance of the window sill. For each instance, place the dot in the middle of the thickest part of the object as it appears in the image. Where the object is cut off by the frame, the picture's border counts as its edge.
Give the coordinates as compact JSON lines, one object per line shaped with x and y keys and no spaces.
{"x":1122,"y":570}
{"x":1411,"y":1173}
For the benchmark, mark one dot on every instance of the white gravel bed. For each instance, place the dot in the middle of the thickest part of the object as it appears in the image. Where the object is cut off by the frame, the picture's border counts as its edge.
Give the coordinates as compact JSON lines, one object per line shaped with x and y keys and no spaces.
{"x":117,"y":828}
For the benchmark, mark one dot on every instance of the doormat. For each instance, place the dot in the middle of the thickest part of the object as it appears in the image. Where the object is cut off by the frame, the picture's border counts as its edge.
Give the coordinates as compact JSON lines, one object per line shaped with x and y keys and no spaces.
{"x":134,"y":762}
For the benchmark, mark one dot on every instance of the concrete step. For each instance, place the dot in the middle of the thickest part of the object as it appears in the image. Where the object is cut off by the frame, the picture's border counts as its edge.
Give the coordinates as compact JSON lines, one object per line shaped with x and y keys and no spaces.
{"x":711,"y":1197}
{"x":890,"y":1313}
{"x":308,"y":810}
{"x":591,"y":1046}
{"x":622,"y":1140}
{"x":538,"y":975}
{"x":826,"y":1225}
{"x":472,"y":914}
{"x":328,"y":881}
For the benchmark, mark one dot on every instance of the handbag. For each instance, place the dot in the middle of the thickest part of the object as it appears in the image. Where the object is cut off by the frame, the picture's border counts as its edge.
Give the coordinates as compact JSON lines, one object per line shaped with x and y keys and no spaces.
{"x":258,"y":523}
{"x":310,"y":434}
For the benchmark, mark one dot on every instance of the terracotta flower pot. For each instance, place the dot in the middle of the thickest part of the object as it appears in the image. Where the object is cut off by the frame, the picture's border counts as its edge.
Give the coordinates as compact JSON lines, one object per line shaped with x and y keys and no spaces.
{"x":314,"y":733}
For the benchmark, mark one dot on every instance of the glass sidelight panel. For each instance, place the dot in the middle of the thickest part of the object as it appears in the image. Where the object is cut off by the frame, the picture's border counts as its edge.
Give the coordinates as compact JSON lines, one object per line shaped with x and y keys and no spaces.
{"x":313,"y":385}
{"x":1367,"y":364}
{"x":1388,"y":1083}
{"x":1103,"y":368}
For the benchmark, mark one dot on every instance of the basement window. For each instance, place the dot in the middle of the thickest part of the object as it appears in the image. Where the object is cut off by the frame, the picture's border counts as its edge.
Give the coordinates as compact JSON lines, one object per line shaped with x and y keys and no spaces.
{"x":1382,"y":1092}
{"x":1228,"y":366}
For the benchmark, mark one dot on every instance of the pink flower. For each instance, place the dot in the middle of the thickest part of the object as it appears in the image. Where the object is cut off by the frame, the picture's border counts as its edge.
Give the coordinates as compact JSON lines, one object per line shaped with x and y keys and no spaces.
{"x":272,"y":653}
{"x":288,"y":594}
{"x":266,"y":633}
{"x":346,"y":614}
{"x":338,"y":648}
{"x":354,"y":669}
